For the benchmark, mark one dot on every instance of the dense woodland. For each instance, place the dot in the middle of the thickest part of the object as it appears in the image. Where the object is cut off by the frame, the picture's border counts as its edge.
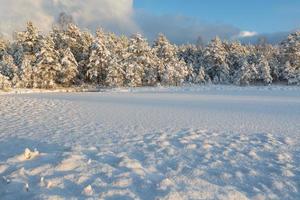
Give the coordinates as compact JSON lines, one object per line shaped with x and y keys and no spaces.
{"x":68,"y":56}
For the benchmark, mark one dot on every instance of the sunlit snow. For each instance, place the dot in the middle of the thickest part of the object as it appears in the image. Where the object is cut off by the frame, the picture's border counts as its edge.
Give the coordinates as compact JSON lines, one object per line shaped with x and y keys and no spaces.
{"x":210,"y":142}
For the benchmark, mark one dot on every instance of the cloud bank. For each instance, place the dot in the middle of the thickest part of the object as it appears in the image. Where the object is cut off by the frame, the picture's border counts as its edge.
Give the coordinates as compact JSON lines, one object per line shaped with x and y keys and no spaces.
{"x":182,"y":29}
{"x":116,"y":15}
{"x":113,"y":15}
{"x":271,"y":38}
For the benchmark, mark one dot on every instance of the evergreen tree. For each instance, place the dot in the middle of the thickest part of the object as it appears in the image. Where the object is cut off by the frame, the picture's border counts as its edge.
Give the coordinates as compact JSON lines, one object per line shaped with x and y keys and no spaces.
{"x":188,"y":53}
{"x":201,"y":77}
{"x":4,"y":82}
{"x":290,"y":58}
{"x":173,"y":71}
{"x":246,"y":74}
{"x":80,"y":44}
{"x":116,"y":69}
{"x":68,"y":56}
{"x":215,"y":61}
{"x":141,"y":63}
{"x":29,"y":39}
{"x":264,"y":70}
{"x":3,"y":47}
{"x":47,"y":65}
{"x":192,"y":56}
{"x":237,"y":53}
{"x":271,"y":54}
{"x":7,"y":65}
{"x":291,"y":74}
{"x":27,"y":71}
{"x":69,"y":67}
{"x":134,"y":68}
{"x":99,"y":60}
{"x":114,"y":76}
{"x":24,"y":51}
{"x":9,"y":69}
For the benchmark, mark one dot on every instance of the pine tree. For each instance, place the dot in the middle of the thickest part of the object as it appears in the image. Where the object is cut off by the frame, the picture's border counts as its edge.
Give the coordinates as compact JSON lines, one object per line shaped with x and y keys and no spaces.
{"x":273,"y":58}
{"x":24,"y":51}
{"x":99,"y":60}
{"x":3,"y":47}
{"x":215,"y":61}
{"x":27,"y":71}
{"x":271,"y":54}
{"x":290,"y":58}
{"x":291,"y":74}
{"x":264,"y":70}
{"x":29,"y":39}
{"x":141,"y":63}
{"x":174,"y":71}
{"x":7,"y":65}
{"x":60,"y":38}
{"x":237,"y":53}
{"x":80,"y":44}
{"x":192,"y":56}
{"x":246,"y":74}
{"x":187,"y":53}
{"x":201,"y":77}
{"x":116,"y":69}
{"x":17,"y":52}
{"x":6,"y":69}
{"x":4,"y":82}
{"x":69,"y":68}
{"x":47,"y":66}
{"x":9,"y":69}
{"x":115,"y":74}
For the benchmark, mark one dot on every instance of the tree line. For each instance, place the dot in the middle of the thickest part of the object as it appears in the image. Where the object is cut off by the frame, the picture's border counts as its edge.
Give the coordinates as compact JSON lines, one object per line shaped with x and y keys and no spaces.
{"x":68,"y":56}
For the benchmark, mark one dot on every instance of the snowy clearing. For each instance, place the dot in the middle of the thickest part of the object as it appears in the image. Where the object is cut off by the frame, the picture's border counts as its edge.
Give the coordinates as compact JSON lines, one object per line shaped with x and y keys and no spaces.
{"x":216,"y":142}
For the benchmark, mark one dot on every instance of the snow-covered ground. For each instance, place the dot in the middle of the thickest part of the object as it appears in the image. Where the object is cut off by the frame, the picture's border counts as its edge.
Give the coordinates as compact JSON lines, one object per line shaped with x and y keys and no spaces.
{"x":216,"y":142}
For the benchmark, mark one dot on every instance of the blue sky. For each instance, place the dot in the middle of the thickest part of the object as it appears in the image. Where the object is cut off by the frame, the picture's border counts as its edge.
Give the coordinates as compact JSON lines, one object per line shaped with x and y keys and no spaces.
{"x":262,"y":16}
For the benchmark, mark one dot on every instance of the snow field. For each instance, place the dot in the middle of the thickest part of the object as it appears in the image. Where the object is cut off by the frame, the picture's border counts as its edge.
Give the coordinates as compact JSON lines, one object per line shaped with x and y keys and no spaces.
{"x":151,"y":144}
{"x":190,"y":164}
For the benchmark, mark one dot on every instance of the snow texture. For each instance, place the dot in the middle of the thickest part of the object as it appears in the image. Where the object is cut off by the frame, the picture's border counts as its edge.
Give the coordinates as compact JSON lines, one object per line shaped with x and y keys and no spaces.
{"x":212,"y":142}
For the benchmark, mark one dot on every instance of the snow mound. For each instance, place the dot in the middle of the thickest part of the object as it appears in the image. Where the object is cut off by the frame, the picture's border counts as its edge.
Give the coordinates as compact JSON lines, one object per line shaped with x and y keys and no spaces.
{"x":28,"y":154}
{"x":235,"y":166}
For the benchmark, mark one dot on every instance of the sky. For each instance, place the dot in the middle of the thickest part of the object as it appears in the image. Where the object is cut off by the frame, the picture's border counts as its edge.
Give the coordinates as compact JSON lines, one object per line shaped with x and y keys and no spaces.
{"x":183,"y":21}
{"x":263,"y":16}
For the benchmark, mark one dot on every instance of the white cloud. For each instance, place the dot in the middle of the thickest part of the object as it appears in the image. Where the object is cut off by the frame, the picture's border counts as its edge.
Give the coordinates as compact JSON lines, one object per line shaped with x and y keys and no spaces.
{"x":116,"y":15}
{"x":244,"y":34}
{"x":15,"y":13}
